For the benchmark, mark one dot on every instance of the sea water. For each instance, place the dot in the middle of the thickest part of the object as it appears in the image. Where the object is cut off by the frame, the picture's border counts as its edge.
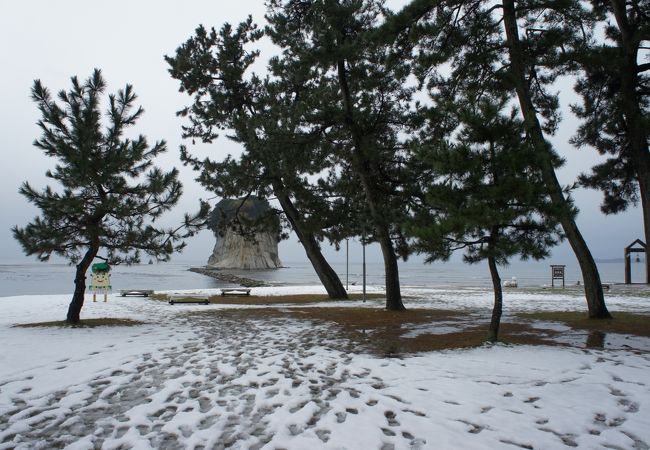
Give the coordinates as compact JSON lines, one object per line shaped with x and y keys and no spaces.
{"x":56,"y":278}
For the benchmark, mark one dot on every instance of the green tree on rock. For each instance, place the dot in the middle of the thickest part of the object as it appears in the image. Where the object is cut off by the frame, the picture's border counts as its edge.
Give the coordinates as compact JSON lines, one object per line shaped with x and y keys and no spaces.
{"x":110,"y":192}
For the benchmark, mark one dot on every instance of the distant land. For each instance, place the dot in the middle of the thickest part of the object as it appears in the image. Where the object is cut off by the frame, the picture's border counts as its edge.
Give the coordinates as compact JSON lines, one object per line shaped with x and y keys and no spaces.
{"x":618,"y":260}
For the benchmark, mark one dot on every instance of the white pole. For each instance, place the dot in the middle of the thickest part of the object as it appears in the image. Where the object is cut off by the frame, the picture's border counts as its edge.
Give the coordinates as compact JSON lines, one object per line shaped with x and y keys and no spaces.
{"x":364,"y":266}
{"x":347,"y":264}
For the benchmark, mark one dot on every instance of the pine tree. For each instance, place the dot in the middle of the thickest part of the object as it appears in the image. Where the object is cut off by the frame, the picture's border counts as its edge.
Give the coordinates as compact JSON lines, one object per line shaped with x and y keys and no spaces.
{"x":483,"y":194}
{"x":523,"y":70}
{"x":614,"y":88}
{"x":483,"y":45}
{"x":359,"y":95}
{"x":264,"y":115}
{"x":110,"y":193}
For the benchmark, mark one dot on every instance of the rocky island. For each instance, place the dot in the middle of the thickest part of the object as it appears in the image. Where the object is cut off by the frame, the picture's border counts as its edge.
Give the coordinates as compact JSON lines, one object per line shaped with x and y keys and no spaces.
{"x":247,"y":232}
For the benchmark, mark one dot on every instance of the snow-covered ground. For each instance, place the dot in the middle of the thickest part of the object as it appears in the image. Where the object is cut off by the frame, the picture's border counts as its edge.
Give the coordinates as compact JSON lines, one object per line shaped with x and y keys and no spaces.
{"x":210,"y":381}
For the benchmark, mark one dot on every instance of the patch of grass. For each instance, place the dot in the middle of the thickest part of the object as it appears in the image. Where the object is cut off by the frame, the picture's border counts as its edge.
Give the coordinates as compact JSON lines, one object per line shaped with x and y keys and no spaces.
{"x":379,"y":331}
{"x":364,"y":318}
{"x":271,"y":299}
{"x":526,"y":334}
{"x":384,"y":331}
{"x":394,"y":333}
{"x":88,"y":323}
{"x":623,"y":322}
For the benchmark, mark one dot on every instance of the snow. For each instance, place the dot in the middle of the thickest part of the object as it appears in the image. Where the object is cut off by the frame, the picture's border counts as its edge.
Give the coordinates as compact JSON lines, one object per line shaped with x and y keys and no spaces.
{"x":182,"y":381}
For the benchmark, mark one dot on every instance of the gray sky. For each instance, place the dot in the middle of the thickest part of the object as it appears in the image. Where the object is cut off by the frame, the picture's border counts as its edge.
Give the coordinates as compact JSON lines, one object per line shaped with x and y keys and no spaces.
{"x":53,"y":40}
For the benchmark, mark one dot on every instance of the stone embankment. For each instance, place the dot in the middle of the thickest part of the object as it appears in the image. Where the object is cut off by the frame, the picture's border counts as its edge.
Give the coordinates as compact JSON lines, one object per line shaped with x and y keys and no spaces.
{"x":228,"y":277}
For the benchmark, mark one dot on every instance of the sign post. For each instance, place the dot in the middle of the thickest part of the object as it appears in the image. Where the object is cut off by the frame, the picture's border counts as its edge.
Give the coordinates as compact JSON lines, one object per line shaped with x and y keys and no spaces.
{"x":557,"y":273}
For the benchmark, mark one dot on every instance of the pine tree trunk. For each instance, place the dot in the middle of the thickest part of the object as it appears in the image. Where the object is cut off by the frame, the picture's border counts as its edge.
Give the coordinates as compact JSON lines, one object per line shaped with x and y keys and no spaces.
{"x":363,"y":167}
{"x":74,"y":309}
{"x":328,"y":277}
{"x":391,"y":274}
{"x":495,"y":322}
{"x":593,"y":287}
{"x":381,"y":225}
{"x":634,"y":117}
{"x":382,"y":231}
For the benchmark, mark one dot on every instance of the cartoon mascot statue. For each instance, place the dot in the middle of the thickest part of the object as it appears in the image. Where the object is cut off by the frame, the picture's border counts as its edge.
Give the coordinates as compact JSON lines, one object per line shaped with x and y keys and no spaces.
{"x":101,"y":280}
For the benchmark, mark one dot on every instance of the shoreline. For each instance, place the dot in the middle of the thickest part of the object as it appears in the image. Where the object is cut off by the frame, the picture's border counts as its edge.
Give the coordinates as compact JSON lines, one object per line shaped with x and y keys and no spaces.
{"x":228,"y":278}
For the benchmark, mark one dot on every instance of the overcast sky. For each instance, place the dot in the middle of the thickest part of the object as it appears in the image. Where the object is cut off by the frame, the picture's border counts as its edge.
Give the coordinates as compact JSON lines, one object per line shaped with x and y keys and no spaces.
{"x":53,"y":40}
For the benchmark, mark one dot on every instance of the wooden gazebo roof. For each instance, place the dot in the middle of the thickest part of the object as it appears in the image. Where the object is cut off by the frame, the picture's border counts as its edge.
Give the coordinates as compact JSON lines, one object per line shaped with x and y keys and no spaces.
{"x":631,"y":246}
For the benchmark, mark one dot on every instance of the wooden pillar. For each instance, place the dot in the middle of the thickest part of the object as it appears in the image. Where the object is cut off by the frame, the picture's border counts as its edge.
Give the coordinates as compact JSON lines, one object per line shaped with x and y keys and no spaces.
{"x":628,"y":269}
{"x":647,"y":266}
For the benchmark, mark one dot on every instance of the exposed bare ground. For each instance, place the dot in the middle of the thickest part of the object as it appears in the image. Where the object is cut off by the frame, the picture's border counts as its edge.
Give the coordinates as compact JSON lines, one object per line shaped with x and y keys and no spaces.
{"x":416,"y":330}
{"x":420,"y":330}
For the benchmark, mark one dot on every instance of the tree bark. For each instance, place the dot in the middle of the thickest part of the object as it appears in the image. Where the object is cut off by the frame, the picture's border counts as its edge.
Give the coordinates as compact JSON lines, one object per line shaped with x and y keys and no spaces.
{"x":497,"y":309}
{"x":326,"y":274}
{"x":391,"y":273}
{"x":593,"y":287}
{"x":74,"y":309}
{"x":634,"y":117}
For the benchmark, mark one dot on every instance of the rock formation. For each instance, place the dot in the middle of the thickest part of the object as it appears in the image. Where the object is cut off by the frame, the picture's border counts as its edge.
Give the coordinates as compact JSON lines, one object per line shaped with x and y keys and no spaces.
{"x":247,"y":233}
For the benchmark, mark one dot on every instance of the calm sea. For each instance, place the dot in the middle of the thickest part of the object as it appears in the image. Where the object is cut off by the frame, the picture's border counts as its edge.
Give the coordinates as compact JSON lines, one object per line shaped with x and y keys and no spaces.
{"x":51,"y":278}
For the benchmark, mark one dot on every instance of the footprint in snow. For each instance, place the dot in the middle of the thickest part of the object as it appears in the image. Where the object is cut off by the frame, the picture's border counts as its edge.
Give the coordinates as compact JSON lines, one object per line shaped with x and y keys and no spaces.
{"x":473,"y":427}
{"x":616,"y":392}
{"x":323,"y":435}
{"x":390,"y":417}
{"x":416,"y":413}
{"x":629,"y":406}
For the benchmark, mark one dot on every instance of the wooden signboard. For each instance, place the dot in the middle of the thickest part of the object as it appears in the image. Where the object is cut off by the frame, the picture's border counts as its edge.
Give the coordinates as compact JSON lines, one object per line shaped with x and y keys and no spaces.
{"x":557,"y":273}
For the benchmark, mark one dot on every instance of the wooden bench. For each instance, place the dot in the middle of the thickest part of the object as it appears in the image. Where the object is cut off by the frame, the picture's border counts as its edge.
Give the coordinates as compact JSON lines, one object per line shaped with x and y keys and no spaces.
{"x":189,"y":298}
{"x":136,"y":292}
{"x":235,"y":291}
